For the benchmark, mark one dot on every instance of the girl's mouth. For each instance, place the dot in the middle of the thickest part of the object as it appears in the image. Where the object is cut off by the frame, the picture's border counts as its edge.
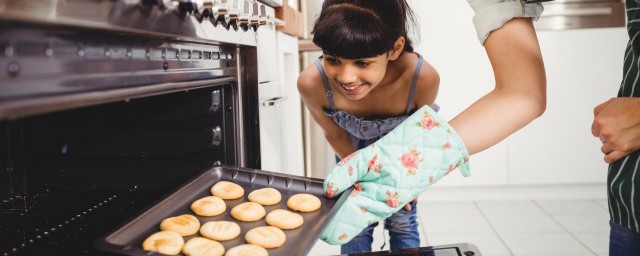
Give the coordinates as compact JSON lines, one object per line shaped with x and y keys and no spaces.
{"x":352,"y":89}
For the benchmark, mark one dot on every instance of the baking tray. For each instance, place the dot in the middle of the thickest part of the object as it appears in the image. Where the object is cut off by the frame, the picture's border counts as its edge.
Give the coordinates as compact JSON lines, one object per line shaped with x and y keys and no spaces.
{"x":128,"y":238}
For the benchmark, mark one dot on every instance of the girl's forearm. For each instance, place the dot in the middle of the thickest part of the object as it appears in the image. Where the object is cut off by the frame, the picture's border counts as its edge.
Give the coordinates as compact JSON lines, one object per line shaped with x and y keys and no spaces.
{"x":520,"y":93}
{"x":341,"y":144}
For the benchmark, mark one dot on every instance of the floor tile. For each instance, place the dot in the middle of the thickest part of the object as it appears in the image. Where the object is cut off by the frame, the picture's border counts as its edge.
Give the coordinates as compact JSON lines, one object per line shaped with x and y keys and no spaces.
{"x":571,"y":207}
{"x":604,"y":203}
{"x":553,"y":254}
{"x":456,"y":224}
{"x":584,"y":223}
{"x":509,"y":208}
{"x":380,"y":238}
{"x":323,"y":249}
{"x":487,"y":243}
{"x":525,"y":228}
{"x":447,"y":209}
{"x":597,"y":242}
{"x":423,"y":237}
{"x":543,"y":244}
{"x":523,"y":223}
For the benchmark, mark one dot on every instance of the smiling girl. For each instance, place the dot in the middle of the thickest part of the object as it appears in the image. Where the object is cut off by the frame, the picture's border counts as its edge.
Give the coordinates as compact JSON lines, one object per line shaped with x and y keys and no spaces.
{"x":367,"y":81}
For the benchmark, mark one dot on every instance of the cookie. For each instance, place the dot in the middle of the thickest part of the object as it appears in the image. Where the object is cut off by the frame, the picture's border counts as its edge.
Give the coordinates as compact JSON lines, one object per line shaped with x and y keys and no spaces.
{"x":303,"y":203}
{"x":227,"y":190}
{"x":220,"y":230}
{"x":165,"y":242}
{"x":248,"y":211}
{"x":265,"y":196}
{"x":185,"y":224}
{"x":199,"y":246}
{"x":247,"y":249}
{"x":267,"y":237}
{"x":284,"y":219}
{"x":209,"y":206}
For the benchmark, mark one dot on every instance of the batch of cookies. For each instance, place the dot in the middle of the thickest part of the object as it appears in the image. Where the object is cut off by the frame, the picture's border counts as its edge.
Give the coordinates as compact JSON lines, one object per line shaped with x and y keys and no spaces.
{"x":170,"y":239}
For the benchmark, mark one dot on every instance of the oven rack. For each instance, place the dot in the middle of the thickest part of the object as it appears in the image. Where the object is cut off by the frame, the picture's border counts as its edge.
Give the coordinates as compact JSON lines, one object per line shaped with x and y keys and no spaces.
{"x":45,"y":223}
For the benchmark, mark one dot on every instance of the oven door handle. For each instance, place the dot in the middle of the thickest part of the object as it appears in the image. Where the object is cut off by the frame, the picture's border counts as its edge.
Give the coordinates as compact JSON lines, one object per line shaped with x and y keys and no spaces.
{"x":273,"y":101}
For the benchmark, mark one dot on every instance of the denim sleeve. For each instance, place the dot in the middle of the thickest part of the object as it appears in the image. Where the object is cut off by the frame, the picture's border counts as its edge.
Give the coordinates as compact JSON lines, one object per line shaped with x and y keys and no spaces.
{"x":492,"y":14}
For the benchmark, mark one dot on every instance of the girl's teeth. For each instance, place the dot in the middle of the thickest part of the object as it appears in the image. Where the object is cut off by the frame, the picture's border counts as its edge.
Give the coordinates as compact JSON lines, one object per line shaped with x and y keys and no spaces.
{"x":350,"y":88}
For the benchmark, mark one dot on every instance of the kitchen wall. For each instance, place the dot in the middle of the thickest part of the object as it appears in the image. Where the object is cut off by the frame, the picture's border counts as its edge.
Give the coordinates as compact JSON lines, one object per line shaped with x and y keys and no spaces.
{"x":556,"y":152}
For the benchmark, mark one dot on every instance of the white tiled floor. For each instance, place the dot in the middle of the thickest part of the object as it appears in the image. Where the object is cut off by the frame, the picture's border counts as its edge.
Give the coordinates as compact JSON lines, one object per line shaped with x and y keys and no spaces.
{"x":514,"y":228}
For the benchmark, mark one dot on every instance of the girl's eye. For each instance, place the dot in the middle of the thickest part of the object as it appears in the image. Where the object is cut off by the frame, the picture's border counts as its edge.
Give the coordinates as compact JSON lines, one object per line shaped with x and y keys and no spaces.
{"x":362,"y":63}
{"x":331,"y":60}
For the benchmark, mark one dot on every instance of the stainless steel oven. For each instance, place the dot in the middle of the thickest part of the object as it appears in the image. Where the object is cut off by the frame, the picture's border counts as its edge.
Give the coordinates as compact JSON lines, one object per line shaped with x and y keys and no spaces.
{"x":107,"y":105}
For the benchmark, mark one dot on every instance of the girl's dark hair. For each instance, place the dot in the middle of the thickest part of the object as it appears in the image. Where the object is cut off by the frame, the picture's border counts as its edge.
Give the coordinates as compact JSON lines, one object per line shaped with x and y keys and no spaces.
{"x":355,"y":29}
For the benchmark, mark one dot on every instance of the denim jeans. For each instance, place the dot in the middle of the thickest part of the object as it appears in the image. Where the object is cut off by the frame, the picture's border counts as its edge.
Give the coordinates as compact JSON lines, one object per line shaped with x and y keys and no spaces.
{"x":623,"y":241}
{"x":403,"y":232}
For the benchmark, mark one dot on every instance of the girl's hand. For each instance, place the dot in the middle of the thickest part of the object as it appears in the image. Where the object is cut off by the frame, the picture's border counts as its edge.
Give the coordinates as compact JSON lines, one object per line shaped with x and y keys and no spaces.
{"x":617,"y":124}
{"x":407,"y":207}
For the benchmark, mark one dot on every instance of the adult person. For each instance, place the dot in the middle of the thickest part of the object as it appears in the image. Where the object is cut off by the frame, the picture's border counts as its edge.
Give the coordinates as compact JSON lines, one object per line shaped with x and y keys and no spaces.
{"x":617,"y":124}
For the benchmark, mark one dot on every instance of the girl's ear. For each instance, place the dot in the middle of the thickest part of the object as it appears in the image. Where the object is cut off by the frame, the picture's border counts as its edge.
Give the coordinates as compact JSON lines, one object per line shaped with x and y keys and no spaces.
{"x":398,"y":47}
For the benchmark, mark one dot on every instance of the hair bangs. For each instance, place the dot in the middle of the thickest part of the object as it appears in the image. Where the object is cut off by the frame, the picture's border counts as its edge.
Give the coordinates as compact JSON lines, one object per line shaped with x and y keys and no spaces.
{"x":348,"y":32}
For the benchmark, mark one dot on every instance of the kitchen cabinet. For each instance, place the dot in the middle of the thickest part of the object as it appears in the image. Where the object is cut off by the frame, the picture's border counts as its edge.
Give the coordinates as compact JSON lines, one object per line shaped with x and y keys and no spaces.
{"x":267,"y":56}
{"x":281,"y":146}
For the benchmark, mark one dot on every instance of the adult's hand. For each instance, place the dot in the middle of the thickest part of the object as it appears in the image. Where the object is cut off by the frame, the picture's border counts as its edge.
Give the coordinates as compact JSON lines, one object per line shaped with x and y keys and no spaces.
{"x":617,"y":123}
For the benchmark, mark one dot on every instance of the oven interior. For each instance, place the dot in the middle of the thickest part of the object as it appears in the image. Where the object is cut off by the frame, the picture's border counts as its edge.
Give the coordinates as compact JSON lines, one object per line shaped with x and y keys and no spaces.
{"x":72,"y":176}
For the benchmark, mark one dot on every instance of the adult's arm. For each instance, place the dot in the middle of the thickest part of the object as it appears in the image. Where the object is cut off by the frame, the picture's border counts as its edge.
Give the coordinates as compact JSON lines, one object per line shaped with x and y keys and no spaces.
{"x":519,"y":95}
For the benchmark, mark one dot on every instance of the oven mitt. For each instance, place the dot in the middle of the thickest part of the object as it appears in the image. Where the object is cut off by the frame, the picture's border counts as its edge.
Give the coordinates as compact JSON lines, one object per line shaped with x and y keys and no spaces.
{"x":391,"y":172}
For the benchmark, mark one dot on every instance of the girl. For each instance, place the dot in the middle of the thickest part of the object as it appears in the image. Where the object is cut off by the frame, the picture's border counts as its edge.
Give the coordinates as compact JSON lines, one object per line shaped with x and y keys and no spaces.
{"x":369,"y":80}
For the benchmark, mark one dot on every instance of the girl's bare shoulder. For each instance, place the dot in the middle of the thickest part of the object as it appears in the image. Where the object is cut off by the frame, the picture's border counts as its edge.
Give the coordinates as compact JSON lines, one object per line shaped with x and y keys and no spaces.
{"x":427,"y":85}
{"x":310,"y":85}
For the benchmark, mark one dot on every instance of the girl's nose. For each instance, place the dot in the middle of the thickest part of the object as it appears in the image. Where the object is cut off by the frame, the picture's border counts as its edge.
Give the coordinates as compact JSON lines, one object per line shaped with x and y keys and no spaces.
{"x":347,"y":76}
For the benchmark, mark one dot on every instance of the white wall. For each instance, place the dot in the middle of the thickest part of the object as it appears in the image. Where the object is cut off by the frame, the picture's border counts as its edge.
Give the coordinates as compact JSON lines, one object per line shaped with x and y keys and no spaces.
{"x":584,"y":68}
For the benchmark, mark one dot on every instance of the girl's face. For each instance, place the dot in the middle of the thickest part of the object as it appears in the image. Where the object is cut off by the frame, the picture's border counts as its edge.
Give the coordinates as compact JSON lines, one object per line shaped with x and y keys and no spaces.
{"x":355,"y":78}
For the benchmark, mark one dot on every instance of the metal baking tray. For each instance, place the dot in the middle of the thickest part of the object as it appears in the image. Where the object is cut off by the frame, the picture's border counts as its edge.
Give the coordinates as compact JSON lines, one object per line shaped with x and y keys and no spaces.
{"x":128,"y":238}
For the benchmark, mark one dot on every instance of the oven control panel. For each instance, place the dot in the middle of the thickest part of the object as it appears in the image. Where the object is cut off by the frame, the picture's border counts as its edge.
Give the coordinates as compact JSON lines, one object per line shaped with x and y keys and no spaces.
{"x":228,"y":21}
{"x":230,"y":14}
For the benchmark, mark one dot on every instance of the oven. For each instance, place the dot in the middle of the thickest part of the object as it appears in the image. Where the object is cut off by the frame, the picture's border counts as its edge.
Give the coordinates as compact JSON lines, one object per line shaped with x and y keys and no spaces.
{"x":108,"y":105}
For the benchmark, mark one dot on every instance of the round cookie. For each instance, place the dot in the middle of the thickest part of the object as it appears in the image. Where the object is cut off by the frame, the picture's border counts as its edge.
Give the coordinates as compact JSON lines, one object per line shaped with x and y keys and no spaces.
{"x":303,"y":203}
{"x":209,"y":206}
{"x":267,"y":237}
{"x":199,"y":246}
{"x":165,"y":242}
{"x":227,"y":190}
{"x":284,"y":219}
{"x":247,"y":249}
{"x":248,"y":211}
{"x":265,"y":196}
{"x":220,"y":230}
{"x":185,"y":224}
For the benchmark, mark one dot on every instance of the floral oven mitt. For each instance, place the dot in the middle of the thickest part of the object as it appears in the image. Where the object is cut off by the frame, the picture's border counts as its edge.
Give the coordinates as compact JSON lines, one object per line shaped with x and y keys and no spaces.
{"x":391,"y":172}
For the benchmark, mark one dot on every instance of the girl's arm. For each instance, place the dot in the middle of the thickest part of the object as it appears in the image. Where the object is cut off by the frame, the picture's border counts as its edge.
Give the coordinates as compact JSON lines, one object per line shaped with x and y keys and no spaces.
{"x":313,"y":96}
{"x":520,"y":91}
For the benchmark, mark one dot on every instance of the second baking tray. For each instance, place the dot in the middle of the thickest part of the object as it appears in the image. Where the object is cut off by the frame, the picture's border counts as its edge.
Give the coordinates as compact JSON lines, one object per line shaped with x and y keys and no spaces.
{"x":127,"y":239}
